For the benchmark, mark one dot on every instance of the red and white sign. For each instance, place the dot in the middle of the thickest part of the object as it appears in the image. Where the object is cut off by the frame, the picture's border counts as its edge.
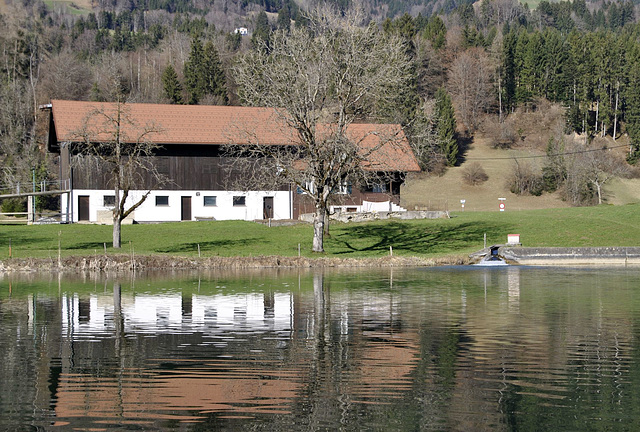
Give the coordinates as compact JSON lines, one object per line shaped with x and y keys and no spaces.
{"x":501,"y":205}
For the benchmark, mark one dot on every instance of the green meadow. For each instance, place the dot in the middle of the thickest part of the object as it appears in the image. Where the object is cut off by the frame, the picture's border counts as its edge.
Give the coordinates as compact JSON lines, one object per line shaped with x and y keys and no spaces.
{"x":463,"y":233}
{"x":70,"y":7}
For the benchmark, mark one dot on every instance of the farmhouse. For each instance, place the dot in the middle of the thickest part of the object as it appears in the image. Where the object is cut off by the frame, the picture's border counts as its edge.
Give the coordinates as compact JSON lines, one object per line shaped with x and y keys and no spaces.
{"x":190,"y":154}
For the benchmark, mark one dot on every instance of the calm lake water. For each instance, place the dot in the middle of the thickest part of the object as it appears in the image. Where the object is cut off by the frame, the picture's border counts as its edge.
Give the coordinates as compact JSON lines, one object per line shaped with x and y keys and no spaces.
{"x":456,"y":348}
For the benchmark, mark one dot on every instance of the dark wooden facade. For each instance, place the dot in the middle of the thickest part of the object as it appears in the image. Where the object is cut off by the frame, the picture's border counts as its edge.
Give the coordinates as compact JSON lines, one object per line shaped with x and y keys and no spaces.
{"x":389,"y":191}
{"x":187,"y":167}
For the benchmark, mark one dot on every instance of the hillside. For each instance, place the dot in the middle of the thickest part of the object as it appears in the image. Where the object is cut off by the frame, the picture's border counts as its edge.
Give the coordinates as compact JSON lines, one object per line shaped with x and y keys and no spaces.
{"x":446,"y":191}
{"x":433,"y":192}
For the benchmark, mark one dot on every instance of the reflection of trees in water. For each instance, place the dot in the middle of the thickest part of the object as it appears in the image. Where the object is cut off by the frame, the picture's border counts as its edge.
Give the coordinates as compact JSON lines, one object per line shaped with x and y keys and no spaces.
{"x":332,"y":345}
{"x":480,"y":350}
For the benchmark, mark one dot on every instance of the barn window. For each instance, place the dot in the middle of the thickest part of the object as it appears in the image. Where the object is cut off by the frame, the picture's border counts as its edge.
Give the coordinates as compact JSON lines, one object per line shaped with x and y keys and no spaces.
{"x":376,"y":188}
{"x":109,"y":200}
{"x":162,"y":200}
{"x":209,"y":201}
{"x":239,"y":200}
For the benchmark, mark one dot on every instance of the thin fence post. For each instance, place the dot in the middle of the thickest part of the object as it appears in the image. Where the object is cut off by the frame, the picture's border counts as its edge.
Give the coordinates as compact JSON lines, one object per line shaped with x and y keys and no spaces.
{"x":59,"y":247}
{"x":198,"y":250}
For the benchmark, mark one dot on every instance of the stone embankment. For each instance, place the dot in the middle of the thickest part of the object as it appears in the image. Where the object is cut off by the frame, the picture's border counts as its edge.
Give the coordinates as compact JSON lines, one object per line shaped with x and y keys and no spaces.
{"x":124,"y":263}
{"x":380,"y":215}
{"x":571,"y":256}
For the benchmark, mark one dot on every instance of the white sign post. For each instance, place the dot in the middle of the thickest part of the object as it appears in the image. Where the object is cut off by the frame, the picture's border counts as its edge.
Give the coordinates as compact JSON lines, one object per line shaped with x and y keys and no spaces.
{"x":501,"y":205}
{"x":462,"y":202}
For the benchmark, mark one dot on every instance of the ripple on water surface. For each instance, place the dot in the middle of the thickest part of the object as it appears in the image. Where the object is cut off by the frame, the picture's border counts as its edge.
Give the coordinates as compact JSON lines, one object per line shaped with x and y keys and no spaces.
{"x":436,"y":349}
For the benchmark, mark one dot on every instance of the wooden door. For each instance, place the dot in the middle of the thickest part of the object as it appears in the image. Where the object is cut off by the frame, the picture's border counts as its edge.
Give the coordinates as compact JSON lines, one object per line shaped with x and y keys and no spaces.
{"x":83,"y":207}
{"x":267,"y":208}
{"x":185,"y":208}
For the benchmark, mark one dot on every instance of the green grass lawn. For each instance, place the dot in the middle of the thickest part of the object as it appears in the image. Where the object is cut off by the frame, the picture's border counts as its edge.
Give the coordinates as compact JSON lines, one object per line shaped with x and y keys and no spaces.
{"x":71,"y":7}
{"x":462,"y":234}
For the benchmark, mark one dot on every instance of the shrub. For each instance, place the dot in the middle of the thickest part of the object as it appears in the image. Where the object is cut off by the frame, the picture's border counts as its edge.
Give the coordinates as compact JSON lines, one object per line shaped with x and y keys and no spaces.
{"x":525,"y":181}
{"x":474,"y":174}
{"x":504,"y":132}
{"x":14,"y":205}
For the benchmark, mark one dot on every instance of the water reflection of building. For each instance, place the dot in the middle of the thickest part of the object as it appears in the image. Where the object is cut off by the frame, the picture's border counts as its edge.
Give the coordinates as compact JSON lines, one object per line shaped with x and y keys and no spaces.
{"x":149,"y":313}
{"x":223,"y":348}
{"x":449,"y":351}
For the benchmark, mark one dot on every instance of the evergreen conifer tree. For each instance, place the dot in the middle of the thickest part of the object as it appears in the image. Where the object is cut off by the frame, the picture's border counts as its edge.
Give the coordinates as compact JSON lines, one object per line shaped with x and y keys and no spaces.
{"x":508,"y":70}
{"x":215,"y":80}
{"x":195,"y":73}
{"x":284,"y":18}
{"x":171,"y":85}
{"x":446,"y":126}
{"x":262,"y":31}
{"x":632,"y":97}
{"x":436,"y":32}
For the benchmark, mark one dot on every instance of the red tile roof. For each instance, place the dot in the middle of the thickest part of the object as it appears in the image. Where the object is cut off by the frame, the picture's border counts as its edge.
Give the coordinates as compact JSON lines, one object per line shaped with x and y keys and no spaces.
{"x":219,"y":125}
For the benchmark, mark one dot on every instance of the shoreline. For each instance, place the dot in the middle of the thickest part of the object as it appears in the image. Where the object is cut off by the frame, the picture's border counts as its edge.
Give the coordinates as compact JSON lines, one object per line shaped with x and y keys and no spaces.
{"x":127,"y":263}
{"x":556,"y":257}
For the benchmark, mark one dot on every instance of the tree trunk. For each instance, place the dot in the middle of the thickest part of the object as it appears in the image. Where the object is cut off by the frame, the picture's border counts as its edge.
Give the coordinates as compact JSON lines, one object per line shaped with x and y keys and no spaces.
{"x":117,"y":315}
{"x":326,"y":224}
{"x":117,"y":211}
{"x":117,"y":228}
{"x":599,"y":190}
{"x":500,"y":97}
{"x":615,"y":113}
{"x":318,"y":230}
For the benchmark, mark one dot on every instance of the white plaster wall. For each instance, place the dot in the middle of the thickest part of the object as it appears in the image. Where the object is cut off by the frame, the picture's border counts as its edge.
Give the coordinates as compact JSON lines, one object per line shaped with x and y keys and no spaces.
{"x":223,"y":210}
{"x":370,"y":206}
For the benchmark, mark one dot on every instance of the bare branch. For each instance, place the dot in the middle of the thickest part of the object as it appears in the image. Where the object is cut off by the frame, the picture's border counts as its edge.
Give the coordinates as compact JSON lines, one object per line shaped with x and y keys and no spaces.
{"x":319,"y":83}
{"x":120,"y":149}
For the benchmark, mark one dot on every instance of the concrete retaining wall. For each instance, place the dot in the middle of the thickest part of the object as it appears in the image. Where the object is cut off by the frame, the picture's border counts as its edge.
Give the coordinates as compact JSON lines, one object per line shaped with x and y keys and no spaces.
{"x":572,"y":256}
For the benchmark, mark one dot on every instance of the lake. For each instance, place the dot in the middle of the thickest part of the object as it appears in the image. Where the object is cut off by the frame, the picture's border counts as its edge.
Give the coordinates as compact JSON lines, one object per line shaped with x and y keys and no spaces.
{"x":447,"y":348}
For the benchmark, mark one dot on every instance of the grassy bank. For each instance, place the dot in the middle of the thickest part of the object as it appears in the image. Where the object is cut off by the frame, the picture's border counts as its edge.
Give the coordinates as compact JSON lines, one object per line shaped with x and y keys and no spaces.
{"x":462,"y":234}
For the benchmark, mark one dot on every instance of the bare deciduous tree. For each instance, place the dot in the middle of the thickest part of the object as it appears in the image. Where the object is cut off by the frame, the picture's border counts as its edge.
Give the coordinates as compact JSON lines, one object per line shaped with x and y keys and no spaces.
{"x":319,"y":81}
{"x":474,"y":174}
{"x":66,"y":78}
{"x":498,"y":12}
{"x":586,"y":169}
{"x":470,"y":85}
{"x":525,"y":179}
{"x":425,"y":141}
{"x":111,"y":138}
{"x":599,"y":166}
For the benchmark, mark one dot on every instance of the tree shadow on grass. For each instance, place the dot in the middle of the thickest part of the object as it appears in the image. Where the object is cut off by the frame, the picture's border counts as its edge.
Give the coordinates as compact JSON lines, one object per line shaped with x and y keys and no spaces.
{"x":19,"y":240}
{"x":210,"y":245}
{"x":464,"y":145}
{"x":85,"y":245}
{"x":419,"y":239}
